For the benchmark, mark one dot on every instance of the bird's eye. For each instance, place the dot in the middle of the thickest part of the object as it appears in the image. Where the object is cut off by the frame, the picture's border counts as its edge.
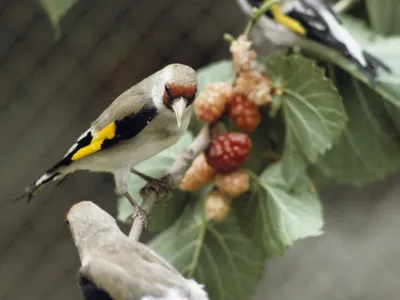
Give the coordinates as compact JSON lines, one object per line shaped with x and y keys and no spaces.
{"x":66,"y":222}
{"x":168,"y":92}
{"x":191,"y":99}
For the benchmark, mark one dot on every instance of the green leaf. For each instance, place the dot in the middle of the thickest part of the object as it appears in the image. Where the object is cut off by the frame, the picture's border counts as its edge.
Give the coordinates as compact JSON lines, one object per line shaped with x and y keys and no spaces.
{"x":164,"y":214}
{"x":216,"y":254}
{"x":214,"y":72}
{"x":367,"y":151}
{"x":313,"y":111}
{"x":385,"y":50}
{"x":56,"y":9}
{"x":277,"y":213}
{"x":394,"y":114}
{"x":384,"y":16}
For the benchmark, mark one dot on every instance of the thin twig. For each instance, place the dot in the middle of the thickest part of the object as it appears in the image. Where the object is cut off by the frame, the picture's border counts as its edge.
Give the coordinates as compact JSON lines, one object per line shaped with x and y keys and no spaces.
{"x":176,"y":171}
{"x":343,"y":5}
{"x":258,"y":13}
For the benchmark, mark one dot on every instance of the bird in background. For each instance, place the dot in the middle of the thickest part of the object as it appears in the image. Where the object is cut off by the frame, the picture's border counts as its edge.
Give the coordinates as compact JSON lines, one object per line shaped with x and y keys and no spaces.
{"x":144,"y":120}
{"x":316,"y":20}
{"x":115,"y":267}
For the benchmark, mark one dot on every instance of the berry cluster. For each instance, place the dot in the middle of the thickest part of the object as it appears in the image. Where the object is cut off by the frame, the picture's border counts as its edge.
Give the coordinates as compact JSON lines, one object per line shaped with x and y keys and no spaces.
{"x":241,"y":102}
{"x":221,"y":162}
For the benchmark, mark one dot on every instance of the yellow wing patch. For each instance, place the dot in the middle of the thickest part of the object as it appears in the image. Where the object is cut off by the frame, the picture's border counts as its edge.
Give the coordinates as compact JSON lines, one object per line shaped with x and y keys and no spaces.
{"x":286,"y":21}
{"x":107,"y":132}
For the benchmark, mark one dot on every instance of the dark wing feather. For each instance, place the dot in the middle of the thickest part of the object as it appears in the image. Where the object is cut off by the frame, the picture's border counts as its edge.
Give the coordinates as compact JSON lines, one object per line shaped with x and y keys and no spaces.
{"x":124,"y":129}
{"x":90,"y":291}
{"x":131,"y":125}
{"x":320,"y":33}
{"x":376,"y":62}
{"x":83,"y":141}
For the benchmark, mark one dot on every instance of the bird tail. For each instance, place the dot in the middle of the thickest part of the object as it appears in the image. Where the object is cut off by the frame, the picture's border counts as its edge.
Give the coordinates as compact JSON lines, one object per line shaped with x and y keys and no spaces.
{"x":372,"y":67}
{"x":375,"y":62}
{"x":51,"y":175}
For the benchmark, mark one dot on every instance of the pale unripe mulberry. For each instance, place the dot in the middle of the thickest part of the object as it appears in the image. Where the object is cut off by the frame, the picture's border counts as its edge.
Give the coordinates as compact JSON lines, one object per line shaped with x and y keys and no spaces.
{"x":242,"y":54}
{"x":217,"y":206}
{"x":211,"y":103}
{"x":233,"y":184}
{"x":199,"y":174}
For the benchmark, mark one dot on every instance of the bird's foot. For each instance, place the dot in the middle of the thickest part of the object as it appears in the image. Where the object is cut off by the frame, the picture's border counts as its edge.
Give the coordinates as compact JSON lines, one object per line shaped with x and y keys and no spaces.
{"x":162,"y":187}
{"x":140,"y":213}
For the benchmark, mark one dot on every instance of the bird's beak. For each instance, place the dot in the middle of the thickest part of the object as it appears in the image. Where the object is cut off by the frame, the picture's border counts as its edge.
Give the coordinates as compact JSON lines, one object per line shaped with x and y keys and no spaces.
{"x":179,"y":106}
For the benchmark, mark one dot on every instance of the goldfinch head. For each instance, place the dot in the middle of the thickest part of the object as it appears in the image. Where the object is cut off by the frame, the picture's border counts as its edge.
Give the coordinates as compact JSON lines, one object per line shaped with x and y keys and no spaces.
{"x":175,"y":89}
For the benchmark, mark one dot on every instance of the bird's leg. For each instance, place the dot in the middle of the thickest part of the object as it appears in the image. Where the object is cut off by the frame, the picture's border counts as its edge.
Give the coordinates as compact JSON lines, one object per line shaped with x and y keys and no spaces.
{"x":140,"y":212}
{"x":161,"y":186}
{"x":121,"y":182}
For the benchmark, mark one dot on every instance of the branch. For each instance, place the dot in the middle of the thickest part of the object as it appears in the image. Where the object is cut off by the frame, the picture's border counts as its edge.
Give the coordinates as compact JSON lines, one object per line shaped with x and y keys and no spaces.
{"x":258,"y":13}
{"x":176,"y":172}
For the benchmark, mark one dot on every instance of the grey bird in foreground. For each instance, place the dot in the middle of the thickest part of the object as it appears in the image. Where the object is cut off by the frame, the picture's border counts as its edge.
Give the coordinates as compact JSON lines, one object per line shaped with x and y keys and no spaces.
{"x":115,"y":267}
{"x":144,"y":120}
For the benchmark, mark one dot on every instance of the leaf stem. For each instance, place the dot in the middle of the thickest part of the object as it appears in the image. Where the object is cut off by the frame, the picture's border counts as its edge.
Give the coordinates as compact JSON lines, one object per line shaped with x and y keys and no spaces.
{"x":199,"y":245}
{"x":253,"y":176}
{"x":258,"y":13}
{"x":332,"y":74}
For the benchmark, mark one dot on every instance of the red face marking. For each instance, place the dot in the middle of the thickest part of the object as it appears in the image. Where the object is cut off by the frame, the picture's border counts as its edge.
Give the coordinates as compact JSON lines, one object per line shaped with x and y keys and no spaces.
{"x":173,"y":91}
{"x":182,"y":91}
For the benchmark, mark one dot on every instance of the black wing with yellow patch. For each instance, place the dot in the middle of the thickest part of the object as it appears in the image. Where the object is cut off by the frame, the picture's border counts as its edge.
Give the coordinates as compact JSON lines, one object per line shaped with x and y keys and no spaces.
{"x":276,"y":14}
{"x":307,"y":23}
{"x":112,"y":134}
{"x":287,"y":20}
{"x":317,"y":30}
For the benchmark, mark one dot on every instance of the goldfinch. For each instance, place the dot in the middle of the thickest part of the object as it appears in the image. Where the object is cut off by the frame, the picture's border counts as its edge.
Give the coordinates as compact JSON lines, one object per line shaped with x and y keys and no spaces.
{"x":115,"y":267}
{"x":317,"y":21}
{"x":144,"y":120}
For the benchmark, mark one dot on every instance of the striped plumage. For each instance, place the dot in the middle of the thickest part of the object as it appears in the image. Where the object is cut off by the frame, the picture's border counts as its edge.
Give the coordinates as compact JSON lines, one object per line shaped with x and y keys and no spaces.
{"x":317,"y":21}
